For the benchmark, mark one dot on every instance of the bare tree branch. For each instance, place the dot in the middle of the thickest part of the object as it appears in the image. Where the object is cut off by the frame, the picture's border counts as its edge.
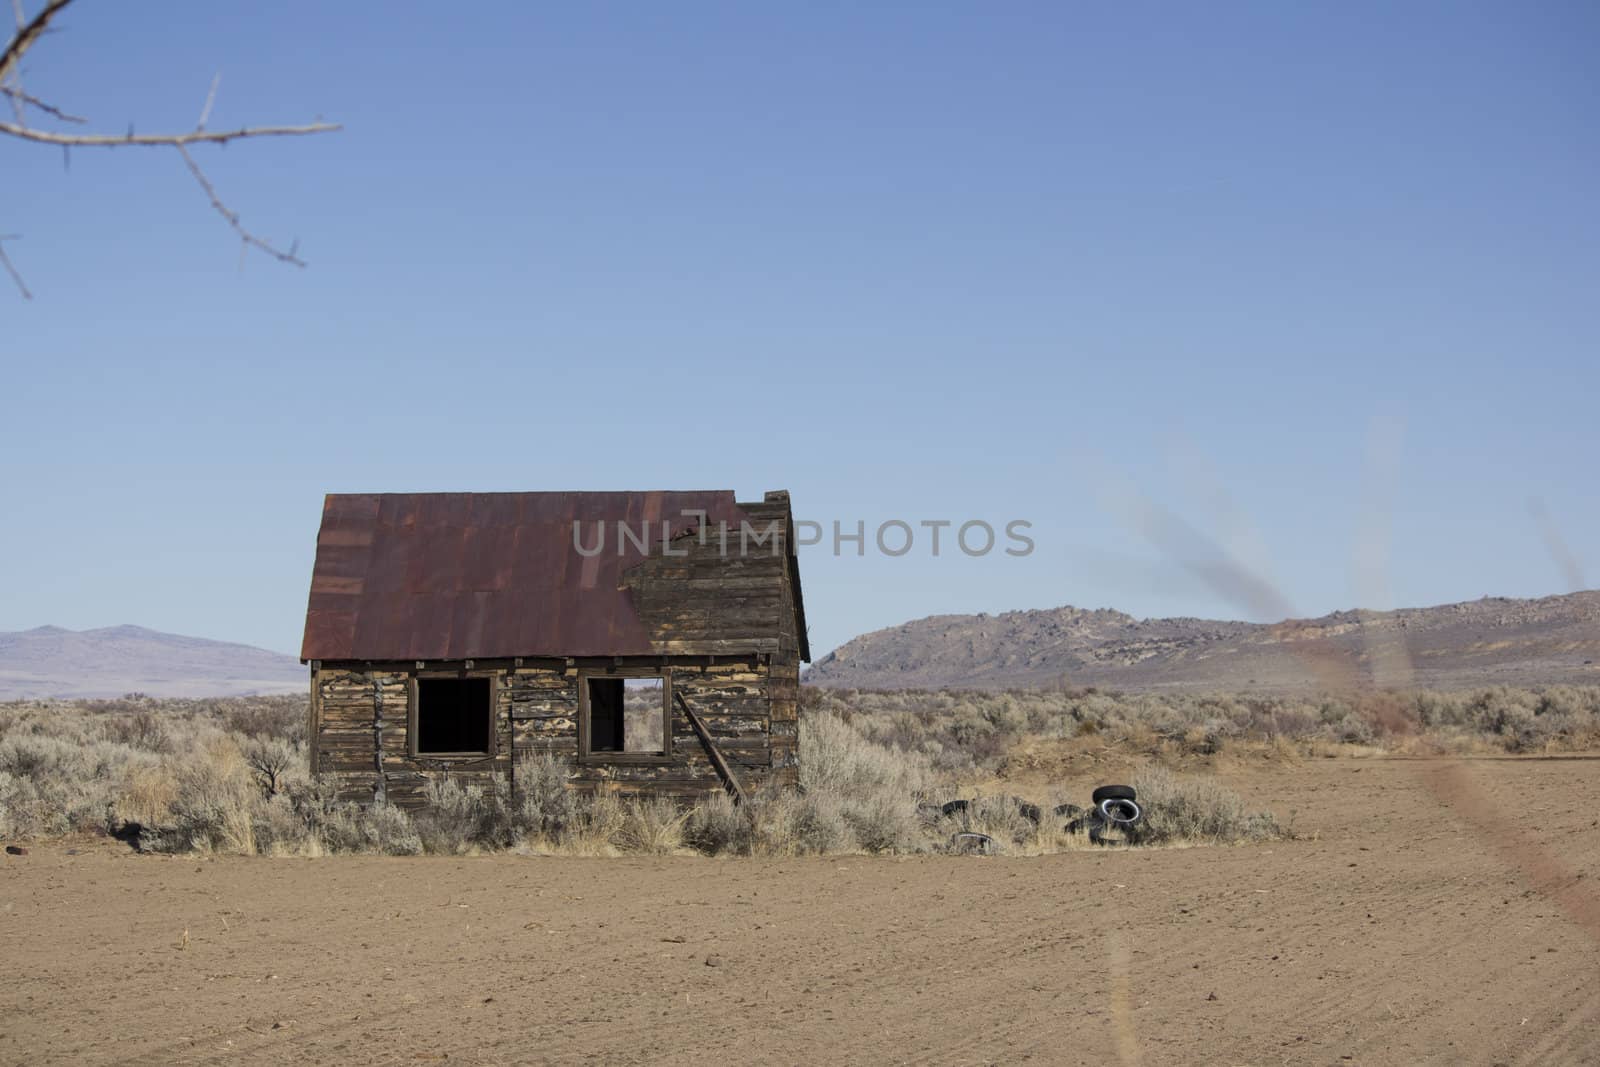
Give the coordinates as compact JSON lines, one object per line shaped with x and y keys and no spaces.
{"x":19,"y":98}
{"x":5,"y":261}
{"x":27,"y":35}
{"x":160,"y":140}
{"x":233,"y":218}
{"x":211,"y":98}
{"x":16,"y":102}
{"x":28,"y":32}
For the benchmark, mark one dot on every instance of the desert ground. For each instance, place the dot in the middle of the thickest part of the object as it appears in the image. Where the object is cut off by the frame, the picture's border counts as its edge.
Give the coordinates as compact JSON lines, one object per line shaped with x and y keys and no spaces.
{"x":1428,"y":911}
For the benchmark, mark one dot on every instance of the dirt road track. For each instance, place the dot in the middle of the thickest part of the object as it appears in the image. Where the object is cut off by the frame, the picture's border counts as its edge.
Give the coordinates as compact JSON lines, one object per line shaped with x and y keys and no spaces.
{"x":1394,"y":933}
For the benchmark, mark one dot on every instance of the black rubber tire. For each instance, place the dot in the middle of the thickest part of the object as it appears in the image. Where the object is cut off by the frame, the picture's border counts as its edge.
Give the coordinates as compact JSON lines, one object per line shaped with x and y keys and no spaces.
{"x":956,"y":807}
{"x":1029,"y":811}
{"x":1114,"y":792}
{"x":1105,"y":833}
{"x":1120,"y":812}
{"x":971,"y":844}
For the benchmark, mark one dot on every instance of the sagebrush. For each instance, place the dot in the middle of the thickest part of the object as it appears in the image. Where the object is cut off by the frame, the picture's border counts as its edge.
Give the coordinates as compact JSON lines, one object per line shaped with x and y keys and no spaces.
{"x":231,"y":774}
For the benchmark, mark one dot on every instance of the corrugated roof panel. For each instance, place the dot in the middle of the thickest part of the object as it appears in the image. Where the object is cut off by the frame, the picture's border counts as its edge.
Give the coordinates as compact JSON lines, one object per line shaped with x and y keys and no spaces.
{"x":403,"y":576}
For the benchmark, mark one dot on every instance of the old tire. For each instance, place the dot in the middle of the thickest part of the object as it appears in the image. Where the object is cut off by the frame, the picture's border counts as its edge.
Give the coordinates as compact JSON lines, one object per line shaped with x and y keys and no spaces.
{"x":956,"y":807}
{"x":970,"y":844}
{"x":1113,"y":792}
{"x":1119,"y":811}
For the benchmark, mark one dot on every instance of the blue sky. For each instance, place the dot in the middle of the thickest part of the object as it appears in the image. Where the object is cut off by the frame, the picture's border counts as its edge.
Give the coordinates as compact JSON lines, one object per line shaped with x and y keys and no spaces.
{"x":1317,"y":281}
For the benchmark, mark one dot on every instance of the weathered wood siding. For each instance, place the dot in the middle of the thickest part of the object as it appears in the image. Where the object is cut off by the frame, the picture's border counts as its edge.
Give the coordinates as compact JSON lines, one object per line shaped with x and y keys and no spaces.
{"x":362,"y":712}
{"x":719,"y":592}
{"x":363,"y":732}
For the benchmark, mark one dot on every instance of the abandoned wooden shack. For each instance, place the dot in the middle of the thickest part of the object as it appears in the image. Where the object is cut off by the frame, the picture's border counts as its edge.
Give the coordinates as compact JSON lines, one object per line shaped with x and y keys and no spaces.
{"x":651,"y":639}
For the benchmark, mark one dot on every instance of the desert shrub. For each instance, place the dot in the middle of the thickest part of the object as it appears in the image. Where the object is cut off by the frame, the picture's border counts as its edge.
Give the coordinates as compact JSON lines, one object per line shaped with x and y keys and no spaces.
{"x":1353,"y":729}
{"x":231,"y":775}
{"x":1180,"y":809}
{"x":455,"y":817}
{"x":652,"y":825}
{"x":278,"y":828}
{"x":145,"y":729}
{"x":881,"y":822}
{"x":64,"y":784}
{"x":786,"y":823}
{"x":599,"y":822}
{"x":1000,"y":817}
{"x":546,"y":808}
{"x":873,"y":788}
{"x":39,"y":758}
{"x":366,"y":828}
{"x":280,"y":717}
{"x":836,"y":757}
{"x":25,"y":812}
{"x":272,"y":760}
{"x":214,"y":806}
{"x":771,"y":822}
{"x":716,"y":825}
{"x":963,"y":732}
{"x":147,"y":795}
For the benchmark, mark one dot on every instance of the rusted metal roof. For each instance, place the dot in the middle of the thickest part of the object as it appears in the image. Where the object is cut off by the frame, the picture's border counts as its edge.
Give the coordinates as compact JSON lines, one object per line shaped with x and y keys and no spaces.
{"x":450,"y":576}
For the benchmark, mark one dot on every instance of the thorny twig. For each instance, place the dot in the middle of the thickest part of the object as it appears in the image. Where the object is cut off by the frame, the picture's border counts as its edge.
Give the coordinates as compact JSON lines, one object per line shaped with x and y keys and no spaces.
{"x":28,"y":32}
{"x":233,"y":217}
{"x":159,"y":140}
{"x":5,"y":261}
{"x":20,"y":98}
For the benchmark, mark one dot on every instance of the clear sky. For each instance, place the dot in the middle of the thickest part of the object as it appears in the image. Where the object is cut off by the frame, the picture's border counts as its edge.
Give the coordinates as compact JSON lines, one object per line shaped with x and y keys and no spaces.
{"x":1317,"y":281}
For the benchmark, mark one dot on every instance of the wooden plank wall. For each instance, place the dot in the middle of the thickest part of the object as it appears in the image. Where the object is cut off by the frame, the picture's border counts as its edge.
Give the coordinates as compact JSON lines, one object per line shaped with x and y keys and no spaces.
{"x":731,"y":698}
{"x":354,"y":728}
{"x":706,"y":603}
{"x":784,"y":689}
{"x":536,"y":713}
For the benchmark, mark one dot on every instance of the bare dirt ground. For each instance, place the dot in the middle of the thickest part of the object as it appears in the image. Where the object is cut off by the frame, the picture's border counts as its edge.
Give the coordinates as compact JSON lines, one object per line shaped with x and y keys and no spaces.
{"x":1413,"y":922}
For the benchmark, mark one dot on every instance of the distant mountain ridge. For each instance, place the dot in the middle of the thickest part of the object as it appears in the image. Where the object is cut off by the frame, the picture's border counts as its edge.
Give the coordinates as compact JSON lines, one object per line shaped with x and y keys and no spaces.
{"x":1490,"y":641}
{"x":49,"y":661}
{"x":1496,"y":640}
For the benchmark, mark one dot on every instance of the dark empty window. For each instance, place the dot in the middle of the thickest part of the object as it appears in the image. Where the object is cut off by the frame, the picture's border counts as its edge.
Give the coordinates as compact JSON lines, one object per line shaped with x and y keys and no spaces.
{"x":627,"y":715}
{"x":453,"y":715}
{"x":605,"y":714}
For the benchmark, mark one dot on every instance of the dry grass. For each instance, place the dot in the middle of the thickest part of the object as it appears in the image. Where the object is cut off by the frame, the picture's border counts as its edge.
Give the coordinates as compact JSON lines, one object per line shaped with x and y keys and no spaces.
{"x":230,"y":775}
{"x":1186,"y":809}
{"x":973,"y":736}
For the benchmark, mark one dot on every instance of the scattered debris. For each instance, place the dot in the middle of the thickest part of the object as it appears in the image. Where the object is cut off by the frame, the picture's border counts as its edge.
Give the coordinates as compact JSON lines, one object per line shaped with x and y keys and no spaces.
{"x":972,"y":844}
{"x":1111,"y":819}
{"x":16,"y":850}
{"x":1114,"y":817}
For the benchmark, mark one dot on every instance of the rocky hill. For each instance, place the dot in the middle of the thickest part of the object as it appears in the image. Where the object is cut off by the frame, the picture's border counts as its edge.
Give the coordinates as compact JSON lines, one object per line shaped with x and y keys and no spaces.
{"x":52,"y":662}
{"x":1489,"y":641}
